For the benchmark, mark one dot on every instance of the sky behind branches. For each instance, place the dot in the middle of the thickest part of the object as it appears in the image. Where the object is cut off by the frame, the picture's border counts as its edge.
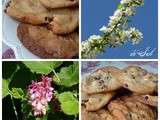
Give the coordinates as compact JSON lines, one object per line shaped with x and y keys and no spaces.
{"x":96,"y":13}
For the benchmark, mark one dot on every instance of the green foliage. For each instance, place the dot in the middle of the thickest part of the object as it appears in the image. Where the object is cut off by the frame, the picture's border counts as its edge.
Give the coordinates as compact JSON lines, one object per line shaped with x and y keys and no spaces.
{"x":5,"y":89}
{"x":42,"y":67}
{"x":17,"y":93}
{"x":69,"y":103}
{"x":68,"y":76}
{"x":17,"y":76}
{"x":120,"y":6}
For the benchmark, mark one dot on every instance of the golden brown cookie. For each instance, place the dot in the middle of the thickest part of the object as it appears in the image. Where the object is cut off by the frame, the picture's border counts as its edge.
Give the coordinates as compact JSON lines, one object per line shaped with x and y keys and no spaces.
{"x":45,"y":44}
{"x":102,"y":80}
{"x":147,"y":99}
{"x":27,"y":11}
{"x":85,"y":115}
{"x":98,"y":115}
{"x":97,"y":101}
{"x":105,"y":115}
{"x":119,"y":110}
{"x":129,"y":109}
{"x":59,"y":3}
{"x":60,"y":21}
{"x":64,"y":20}
{"x":135,"y":70}
{"x":139,"y":80}
{"x":84,"y":97}
{"x":139,"y":111}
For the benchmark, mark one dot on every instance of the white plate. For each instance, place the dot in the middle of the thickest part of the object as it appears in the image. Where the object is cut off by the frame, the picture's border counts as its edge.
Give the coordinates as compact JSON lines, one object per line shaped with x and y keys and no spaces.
{"x":10,"y":37}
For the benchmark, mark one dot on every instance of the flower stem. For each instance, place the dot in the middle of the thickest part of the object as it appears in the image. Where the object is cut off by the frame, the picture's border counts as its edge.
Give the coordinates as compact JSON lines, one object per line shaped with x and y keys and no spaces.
{"x":58,"y":80}
{"x":12,"y":101}
{"x":14,"y":107}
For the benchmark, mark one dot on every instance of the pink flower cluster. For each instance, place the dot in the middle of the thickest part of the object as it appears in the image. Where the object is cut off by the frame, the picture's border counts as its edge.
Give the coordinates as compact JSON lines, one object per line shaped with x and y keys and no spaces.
{"x":40,"y":93}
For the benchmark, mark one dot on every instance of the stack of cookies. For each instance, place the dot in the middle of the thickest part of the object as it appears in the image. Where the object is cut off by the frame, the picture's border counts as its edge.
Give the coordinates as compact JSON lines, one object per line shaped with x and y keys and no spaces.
{"x":48,"y":28}
{"x":111,"y":93}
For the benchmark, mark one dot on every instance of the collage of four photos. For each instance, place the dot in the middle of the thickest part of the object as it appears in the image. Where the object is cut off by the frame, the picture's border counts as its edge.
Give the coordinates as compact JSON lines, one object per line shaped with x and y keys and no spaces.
{"x":80,"y":60}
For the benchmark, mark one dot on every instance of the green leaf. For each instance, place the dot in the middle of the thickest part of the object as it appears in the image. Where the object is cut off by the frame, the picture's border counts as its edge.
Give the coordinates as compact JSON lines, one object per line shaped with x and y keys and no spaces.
{"x":42,"y":67}
{"x":68,"y":76}
{"x":69,"y":103}
{"x":70,"y":107}
{"x":66,"y":96}
{"x":17,"y":93}
{"x":5,"y":89}
{"x":120,"y":6}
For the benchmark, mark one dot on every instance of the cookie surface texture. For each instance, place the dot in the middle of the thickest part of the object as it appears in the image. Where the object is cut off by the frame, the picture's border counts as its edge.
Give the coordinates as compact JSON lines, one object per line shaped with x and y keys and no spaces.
{"x":59,"y":3}
{"x":139,"y":80}
{"x":45,"y":44}
{"x":102,"y":80}
{"x":64,"y":20}
{"x":27,"y":11}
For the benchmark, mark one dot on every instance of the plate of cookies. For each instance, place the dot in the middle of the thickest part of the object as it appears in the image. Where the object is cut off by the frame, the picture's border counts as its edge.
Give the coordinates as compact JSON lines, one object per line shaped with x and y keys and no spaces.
{"x":114,"y":93}
{"x":42,"y":28}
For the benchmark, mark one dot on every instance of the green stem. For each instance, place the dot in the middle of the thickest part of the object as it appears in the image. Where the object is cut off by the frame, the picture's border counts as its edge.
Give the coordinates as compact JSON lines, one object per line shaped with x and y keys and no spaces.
{"x":58,"y":80}
{"x":12,"y":101}
{"x":14,"y":73}
{"x":14,"y":107}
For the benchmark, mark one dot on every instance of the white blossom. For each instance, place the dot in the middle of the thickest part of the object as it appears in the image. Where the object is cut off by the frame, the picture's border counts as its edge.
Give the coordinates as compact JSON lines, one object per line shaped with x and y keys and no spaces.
{"x":104,"y":29}
{"x":125,"y":1}
{"x":130,"y":11}
{"x":118,"y":13}
{"x":94,"y":37}
{"x":136,"y":35}
{"x":128,"y":34}
{"x":116,"y":33}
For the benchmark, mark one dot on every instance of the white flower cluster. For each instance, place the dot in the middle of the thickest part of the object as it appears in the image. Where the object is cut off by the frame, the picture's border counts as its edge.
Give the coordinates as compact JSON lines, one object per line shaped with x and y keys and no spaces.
{"x":117,"y":31}
{"x":87,"y":46}
{"x":134,"y":35}
{"x":125,"y":1}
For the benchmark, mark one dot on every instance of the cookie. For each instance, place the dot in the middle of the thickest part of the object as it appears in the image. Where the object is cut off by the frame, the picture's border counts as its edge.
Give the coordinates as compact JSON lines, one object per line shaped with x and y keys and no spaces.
{"x":102,"y":80}
{"x":64,"y":20}
{"x":45,"y":44}
{"x":59,"y":3}
{"x":135,"y":70}
{"x":60,"y":21}
{"x":105,"y":115}
{"x":85,"y":115}
{"x":27,"y":11}
{"x":147,"y":99}
{"x":139,"y":111}
{"x":138,"y":80}
{"x":97,"y":101}
{"x":84,"y":97}
{"x":119,"y":110}
{"x":127,"y":108}
{"x":98,"y":115}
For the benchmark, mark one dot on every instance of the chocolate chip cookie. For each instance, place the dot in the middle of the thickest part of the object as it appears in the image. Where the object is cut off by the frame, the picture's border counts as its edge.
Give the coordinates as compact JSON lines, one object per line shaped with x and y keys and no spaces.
{"x":45,"y":44}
